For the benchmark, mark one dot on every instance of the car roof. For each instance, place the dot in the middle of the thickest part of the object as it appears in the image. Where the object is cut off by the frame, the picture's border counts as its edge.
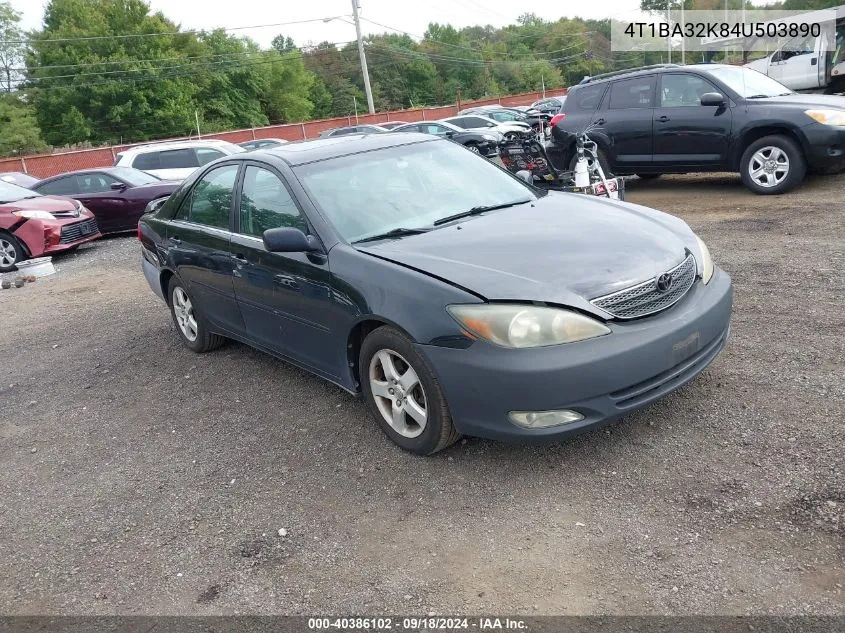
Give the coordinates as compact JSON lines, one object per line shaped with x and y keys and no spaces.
{"x":157,"y":147}
{"x":319,"y":149}
{"x":650,"y":70}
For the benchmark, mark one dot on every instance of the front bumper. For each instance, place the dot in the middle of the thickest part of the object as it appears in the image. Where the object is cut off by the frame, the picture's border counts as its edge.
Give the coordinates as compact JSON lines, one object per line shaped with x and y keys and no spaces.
{"x":46,"y":237}
{"x":603,"y":378}
{"x":825,"y":147}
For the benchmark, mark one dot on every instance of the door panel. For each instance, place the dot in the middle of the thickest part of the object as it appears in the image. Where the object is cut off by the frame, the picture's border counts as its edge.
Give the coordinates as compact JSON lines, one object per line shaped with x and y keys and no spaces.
{"x":626,"y":123}
{"x":284,"y":298}
{"x":685,"y":132}
{"x":199,"y":241}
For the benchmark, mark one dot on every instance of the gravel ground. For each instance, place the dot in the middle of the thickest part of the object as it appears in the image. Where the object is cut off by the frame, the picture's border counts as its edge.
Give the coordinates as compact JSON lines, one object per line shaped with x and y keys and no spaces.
{"x":139,"y":478}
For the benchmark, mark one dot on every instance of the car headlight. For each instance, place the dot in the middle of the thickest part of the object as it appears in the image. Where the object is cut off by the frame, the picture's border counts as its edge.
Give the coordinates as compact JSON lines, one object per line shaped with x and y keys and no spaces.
{"x":827,"y":117}
{"x":34,"y":215}
{"x":706,"y":263}
{"x":514,"y":325}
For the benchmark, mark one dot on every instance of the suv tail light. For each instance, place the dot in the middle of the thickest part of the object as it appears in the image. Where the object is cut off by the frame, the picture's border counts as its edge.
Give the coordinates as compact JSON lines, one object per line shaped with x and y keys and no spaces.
{"x":556,"y":119}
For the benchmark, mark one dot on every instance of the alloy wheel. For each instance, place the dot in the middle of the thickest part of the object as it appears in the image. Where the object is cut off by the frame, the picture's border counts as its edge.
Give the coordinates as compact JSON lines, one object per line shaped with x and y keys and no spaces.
{"x":8,"y":254}
{"x":473,"y":149}
{"x":768,"y":166}
{"x":398,"y":393}
{"x":184,"y":311}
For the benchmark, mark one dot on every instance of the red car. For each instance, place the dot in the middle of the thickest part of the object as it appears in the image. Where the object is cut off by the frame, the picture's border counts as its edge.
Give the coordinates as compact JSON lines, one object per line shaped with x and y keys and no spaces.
{"x":117,"y":196}
{"x":32,"y":225}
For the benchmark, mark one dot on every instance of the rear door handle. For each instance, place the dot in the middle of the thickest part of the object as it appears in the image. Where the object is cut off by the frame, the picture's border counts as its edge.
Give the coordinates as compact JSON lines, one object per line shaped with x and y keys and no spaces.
{"x":287,"y":281}
{"x":600,"y":122}
{"x":663,"y":118}
{"x":175,"y":240}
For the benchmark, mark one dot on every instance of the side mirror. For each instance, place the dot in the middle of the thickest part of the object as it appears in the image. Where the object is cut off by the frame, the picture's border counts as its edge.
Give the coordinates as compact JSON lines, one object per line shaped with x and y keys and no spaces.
{"x":712,"y":99}
{"x":118,"y":186}
{"x":525,"y":175}
{"x":449,"y":133}
{"x":289,"y":240}
{"x":155,"y":205}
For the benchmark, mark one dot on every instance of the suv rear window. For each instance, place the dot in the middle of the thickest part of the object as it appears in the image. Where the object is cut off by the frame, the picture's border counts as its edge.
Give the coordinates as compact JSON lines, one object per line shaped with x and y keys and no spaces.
{"x":178,"y":159}
{"x":632,"y":93}
{"x":146,"y":161}
{"x":585,"y":98}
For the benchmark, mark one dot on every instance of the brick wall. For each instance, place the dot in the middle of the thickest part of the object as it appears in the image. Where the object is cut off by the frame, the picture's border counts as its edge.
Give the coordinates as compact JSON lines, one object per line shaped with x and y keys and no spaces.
{"x":43,"y":166}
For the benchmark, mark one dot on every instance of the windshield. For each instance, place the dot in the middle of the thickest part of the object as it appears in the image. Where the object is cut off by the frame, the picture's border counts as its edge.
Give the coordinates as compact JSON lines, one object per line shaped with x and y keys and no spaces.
{"x":134,"y":177}
{"x":410,"y":187}
{"x":13,"y":193}
{"x":749,"y":83}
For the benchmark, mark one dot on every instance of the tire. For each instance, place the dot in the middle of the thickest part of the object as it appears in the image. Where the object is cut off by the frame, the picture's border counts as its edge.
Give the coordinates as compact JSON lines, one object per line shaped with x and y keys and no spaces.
{"x":184,"y":312}
{"x":772,"y":165}
{"x":422,"y":424}
{"x":648,"y":176}
{"x":11,"y":252}
{"x":473,"y":148}
{"x":602,"y":161}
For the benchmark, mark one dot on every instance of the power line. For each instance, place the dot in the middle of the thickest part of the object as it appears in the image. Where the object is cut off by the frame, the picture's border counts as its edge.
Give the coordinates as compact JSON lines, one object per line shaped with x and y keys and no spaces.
{"x":164,"y":34}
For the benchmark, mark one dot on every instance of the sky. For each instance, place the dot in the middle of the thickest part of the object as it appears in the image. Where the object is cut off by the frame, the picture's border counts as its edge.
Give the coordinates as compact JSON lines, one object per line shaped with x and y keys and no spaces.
{"x":411,"y":16}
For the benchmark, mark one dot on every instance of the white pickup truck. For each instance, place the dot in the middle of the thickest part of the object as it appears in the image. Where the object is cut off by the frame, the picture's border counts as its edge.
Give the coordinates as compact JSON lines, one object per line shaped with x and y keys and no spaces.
{"x":812,"y":64}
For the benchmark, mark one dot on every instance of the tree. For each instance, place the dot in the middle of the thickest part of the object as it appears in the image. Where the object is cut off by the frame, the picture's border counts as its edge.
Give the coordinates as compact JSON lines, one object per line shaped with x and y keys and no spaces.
{"x":12,"y":48}
{"x":20,"y":129}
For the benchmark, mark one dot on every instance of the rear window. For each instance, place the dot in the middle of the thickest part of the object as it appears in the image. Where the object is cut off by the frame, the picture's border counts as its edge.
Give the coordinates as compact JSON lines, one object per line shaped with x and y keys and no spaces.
{"x":146,"y":161}
{"x":59,"y":187}
{"x":585,"y":98}
{"x":632,"y":93}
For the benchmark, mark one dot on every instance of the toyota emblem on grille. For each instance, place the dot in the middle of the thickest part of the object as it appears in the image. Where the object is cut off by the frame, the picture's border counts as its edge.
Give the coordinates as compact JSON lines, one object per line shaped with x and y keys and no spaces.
{"x":664,"y":282}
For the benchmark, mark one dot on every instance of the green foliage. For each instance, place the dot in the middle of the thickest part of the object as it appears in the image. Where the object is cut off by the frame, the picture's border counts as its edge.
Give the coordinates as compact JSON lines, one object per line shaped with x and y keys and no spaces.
{"x":20,"y":133}
{"x":11,"y":47}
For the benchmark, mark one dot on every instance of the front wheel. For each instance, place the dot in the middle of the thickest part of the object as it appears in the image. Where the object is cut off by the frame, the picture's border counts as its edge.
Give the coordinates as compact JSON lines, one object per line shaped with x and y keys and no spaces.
{"x":473,"y":148}
{"x":403,"y":393}
{"x":189,"y":322}
{"x":11,"y":252}
{"x":772,"y":165}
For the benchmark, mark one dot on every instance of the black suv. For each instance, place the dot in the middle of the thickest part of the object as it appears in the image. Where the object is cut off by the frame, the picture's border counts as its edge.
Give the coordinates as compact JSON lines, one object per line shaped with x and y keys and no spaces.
{"x":709,"y":117}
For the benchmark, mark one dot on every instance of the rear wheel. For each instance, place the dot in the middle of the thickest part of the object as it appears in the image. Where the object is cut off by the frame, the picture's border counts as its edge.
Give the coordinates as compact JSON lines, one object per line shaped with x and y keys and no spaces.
{"x":189,"y":322}
{"x":472,"y":147}
{"x":403,"y":393}
{"x":11,"y":252}
{"x":772,"y":165}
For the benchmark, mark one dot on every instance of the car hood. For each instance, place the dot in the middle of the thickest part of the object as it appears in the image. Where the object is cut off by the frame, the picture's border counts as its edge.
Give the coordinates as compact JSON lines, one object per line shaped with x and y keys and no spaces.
{"x":564,"y":249}
{"x":52,"y":204}
{"x":804,"y":101}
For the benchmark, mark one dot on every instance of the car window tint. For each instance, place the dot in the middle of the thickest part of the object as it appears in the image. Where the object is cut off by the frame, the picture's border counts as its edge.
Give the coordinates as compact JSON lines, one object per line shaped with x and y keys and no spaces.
{"x":60,"y":187}
{"x":433,"y":128}
{"x":266,"y":204}
{"x":585,"y":98}
{"x":178,"y":159}
{"x":205,"y":155}
{"x":94,"y":183}
{"x":683,"y":90}
{"x":211,"y":198}
{"x":148,"y":160}
{"x":462,"y":123}
{"x":632,"y":93}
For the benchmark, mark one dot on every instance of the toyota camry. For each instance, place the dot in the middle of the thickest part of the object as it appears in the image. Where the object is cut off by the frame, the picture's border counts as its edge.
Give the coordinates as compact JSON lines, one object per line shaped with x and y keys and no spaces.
{"x":451,"y":295}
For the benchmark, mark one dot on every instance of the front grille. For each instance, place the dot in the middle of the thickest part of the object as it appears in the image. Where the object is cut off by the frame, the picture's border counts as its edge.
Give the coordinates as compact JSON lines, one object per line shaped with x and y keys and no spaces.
{"x":78,"y":230}
{"x":646,"y":298}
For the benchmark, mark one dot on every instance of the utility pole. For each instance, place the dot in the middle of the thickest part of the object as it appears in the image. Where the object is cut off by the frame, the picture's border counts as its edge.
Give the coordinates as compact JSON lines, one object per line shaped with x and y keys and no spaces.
{"x":363,"y":57}
{"x":197,"y":119}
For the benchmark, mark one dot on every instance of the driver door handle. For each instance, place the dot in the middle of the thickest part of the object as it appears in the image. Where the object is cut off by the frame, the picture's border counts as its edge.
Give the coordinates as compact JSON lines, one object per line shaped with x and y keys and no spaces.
{"x":663,"y":118}
{"x":600,"y":121}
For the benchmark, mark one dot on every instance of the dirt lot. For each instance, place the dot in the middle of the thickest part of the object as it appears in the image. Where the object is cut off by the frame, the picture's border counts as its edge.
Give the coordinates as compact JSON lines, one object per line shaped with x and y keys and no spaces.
{"x":141,"y":478}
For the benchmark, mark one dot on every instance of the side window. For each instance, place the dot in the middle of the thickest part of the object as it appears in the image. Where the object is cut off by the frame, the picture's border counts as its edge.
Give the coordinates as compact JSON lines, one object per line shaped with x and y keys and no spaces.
{"x":634,"y":93}
{"x":62,"y":187}
{"x":95,"y":183}
{"x":205,"y":154}
{"x":149,"y":160}
{"x":683,"y":90}
{"x":266,"y":204}
{"x":211,"y":198}
{"x":178,"y":159}
{"x":462,"y":123}
{"x":433,"y":128}
{"x":585,"y":98}
{"x":479,"y":122}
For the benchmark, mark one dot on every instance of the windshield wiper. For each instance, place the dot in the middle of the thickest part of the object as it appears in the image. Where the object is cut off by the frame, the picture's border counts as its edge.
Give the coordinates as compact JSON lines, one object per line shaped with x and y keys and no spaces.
{"x":758,"y":97}
{"x":477,"y":210}
{"x":400,"y":232}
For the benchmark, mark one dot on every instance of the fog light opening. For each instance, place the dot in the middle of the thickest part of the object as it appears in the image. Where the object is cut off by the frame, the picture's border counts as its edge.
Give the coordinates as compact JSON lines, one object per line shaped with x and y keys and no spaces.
{"x":544,"y":419}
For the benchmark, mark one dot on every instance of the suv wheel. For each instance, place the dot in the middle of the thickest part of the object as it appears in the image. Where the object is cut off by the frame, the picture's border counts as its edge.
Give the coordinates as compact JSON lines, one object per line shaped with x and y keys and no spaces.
{"x":772,"y":165}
